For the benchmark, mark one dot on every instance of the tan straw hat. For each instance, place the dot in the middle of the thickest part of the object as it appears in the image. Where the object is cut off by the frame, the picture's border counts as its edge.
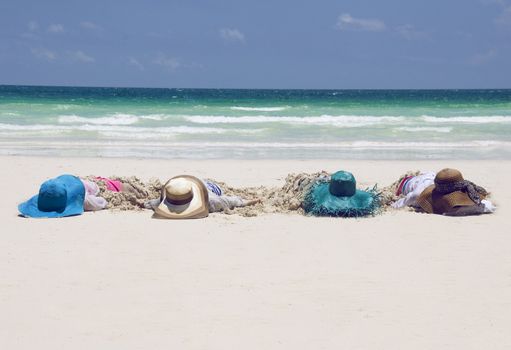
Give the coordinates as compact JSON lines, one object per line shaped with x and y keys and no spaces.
{"x":183,"y":197}
{"x":438,"y":199}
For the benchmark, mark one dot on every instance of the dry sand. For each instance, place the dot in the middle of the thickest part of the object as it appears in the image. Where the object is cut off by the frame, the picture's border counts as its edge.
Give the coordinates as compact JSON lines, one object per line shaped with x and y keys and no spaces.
{"x":121,"y":280}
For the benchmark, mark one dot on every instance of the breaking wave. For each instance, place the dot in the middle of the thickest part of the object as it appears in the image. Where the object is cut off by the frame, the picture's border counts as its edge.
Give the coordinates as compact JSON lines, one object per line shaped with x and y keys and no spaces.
{"x":340,"y":121}
{"x":468,"y":120}
{"x":425,"y":129}
{"x":115,"y":119}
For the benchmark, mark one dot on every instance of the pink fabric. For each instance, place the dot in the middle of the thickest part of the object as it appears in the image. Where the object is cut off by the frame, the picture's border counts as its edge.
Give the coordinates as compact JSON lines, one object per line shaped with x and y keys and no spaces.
{"x":92,"y":201}
{"x":111,"y":185}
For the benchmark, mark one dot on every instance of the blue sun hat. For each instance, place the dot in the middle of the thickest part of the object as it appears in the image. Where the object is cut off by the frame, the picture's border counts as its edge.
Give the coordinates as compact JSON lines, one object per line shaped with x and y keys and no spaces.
{"x":338,"y":196}
{"x":58,"y":197}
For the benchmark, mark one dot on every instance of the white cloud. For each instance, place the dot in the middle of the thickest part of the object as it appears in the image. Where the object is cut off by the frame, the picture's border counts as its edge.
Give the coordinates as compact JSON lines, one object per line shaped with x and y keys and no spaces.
{"x":29,"y":35}
{"x":32,"y":33}
{"x":409,"y":32}
{"x":134,"y":62}
{"x":82,"y":57}
{"x":232,"y":35}
{"x":505,"y":17}
{"x":491,"y":2}
{"x":170,"y":63}
{"x":90,"y":25}
{"x":56,"y":28}
{"x":43,"y":53}
{"x":464,"y":35}
{"x":33,"y":26}
{"x":482,"y":58}
{"x":346,"y":22}
{"x":422,"y":59}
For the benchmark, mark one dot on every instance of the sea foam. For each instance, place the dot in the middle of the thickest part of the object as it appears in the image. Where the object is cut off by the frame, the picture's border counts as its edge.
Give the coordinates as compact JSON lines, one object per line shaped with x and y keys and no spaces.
{"x":115,"y":119}
{"x":339,"y":121}
{"x":425,"y":129}
{"x":368,"y":145}
{"x":468,"y":120}
{"x":123,"y":129}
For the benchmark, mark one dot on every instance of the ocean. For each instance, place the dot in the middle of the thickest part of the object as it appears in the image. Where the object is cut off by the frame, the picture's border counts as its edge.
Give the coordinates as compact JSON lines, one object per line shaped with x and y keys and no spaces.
{"x":255,"y":124}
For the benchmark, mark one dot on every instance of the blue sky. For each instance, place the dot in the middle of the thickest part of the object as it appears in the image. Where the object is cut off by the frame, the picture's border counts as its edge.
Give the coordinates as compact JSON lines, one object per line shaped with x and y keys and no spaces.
{"x":257,"y":44}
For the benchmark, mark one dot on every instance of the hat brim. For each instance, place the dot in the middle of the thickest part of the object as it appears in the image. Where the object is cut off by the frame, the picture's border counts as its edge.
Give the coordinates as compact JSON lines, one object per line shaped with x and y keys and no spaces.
{"x":434,"y":203}
{"x":320,"y":202}
{"x":196,"y":209}
{"x":75,"y":197}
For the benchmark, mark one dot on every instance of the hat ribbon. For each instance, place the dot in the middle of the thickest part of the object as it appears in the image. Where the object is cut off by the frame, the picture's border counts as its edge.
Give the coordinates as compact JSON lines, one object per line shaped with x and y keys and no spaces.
{"x":465,"y":186}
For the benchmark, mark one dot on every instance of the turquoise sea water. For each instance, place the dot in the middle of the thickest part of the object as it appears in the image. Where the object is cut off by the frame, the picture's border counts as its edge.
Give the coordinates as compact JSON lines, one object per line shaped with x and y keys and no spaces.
{"x":216,"y":123}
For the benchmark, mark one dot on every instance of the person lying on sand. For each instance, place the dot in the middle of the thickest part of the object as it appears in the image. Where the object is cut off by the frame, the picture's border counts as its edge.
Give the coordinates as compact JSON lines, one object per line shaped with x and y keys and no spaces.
{"x":187,"y":197}
{"x":446,"y":193}
{"x":95,"y":202}
{"x":68,"y":195}
{"x":411,"y":187}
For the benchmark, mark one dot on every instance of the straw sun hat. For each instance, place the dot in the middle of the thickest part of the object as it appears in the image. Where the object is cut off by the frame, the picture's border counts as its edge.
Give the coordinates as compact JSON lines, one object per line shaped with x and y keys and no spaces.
{"x":450,"y":190}
{"x":339,"y":197}
{"x":183,"y":197}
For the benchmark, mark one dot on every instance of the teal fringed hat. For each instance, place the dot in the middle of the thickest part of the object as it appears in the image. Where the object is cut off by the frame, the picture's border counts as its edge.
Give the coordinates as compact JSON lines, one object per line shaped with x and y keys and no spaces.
{"x":339,"y":197}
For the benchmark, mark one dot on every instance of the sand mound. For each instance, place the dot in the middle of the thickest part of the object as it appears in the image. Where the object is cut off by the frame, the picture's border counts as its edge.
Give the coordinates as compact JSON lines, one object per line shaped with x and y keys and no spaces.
{"x":388,"y":193}
{"x":135,"y":192}
{"x":285,"y":199}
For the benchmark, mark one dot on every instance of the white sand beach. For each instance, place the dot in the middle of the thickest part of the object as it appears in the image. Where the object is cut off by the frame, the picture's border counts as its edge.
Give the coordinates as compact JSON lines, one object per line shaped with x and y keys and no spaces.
{"x":121,"y":280}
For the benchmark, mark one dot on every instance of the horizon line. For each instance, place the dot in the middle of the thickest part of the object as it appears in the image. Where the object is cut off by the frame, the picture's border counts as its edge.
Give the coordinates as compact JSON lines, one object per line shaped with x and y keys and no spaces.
{"x":230,"y":88}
